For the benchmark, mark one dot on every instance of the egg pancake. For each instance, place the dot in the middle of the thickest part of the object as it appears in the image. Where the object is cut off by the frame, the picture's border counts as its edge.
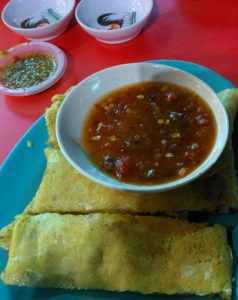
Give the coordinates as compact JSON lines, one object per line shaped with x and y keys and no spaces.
{"x":64,"y":190}
{"x":119,"y":253}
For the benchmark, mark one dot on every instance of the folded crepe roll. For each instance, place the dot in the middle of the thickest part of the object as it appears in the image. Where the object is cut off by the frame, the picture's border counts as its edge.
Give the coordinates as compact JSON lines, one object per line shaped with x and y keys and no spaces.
{"x":6,"y":236}
{"x":229,"y":99}
{"x":119,"y":253}
{"x":50,"y":116}
{"x":64,"y":190}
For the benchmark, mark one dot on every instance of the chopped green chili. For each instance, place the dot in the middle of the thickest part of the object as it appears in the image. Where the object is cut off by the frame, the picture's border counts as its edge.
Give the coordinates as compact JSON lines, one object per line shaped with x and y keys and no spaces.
{"x":28,"y":71}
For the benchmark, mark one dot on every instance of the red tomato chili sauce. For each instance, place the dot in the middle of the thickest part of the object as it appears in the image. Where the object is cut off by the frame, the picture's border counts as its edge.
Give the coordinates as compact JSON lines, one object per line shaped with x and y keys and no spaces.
{"x":149,"y":133}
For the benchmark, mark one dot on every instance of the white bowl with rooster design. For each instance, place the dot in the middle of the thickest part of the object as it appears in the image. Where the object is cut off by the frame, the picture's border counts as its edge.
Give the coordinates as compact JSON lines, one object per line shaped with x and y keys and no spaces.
{"x":38,"y":20}
{"x":115,"y":21}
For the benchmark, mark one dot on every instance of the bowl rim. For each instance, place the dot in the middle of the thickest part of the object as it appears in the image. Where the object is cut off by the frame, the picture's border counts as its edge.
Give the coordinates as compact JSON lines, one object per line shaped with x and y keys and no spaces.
{"x":19,"y":29}
{"x":155,"y":188}
{"x":108,"y":32}
{"x":61,"y":59}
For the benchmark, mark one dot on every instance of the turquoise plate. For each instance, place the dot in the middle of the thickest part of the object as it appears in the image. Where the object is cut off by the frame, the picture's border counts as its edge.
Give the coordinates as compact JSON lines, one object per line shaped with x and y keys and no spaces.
{"x":21,"y":174}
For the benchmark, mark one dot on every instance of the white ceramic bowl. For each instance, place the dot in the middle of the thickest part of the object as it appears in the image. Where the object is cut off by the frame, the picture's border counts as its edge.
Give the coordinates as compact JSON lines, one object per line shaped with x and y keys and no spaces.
{"x":129,"y":17}
{"x":77,"y":104}
{"x":29,"y":48}
{"x":55,"y":13}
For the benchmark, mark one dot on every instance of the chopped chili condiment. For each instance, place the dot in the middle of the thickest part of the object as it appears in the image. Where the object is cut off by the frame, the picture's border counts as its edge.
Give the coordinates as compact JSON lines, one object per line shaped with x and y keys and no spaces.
{"x":25,"y":72}
{"x":149,"y":133}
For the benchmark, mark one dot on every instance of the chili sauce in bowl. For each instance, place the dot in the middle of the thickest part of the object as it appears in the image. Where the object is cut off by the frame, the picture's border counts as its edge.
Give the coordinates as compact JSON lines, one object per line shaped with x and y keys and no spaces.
{"x":149,"y":133}
{"x":142,"y":127}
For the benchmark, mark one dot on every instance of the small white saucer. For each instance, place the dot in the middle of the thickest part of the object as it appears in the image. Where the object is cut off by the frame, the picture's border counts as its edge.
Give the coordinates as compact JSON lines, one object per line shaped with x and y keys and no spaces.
{"x":22,"y":50}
